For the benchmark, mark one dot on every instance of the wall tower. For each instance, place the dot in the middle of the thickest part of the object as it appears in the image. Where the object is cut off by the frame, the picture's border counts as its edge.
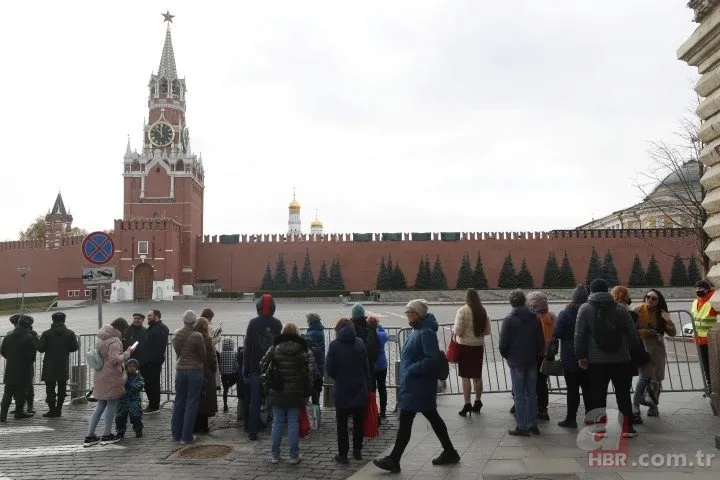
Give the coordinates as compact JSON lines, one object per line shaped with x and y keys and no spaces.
{"x":58,"y":224}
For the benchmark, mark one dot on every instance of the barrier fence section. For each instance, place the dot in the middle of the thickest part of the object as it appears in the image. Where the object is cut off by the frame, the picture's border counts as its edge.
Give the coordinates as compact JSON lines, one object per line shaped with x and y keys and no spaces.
{"x":683,"y":370}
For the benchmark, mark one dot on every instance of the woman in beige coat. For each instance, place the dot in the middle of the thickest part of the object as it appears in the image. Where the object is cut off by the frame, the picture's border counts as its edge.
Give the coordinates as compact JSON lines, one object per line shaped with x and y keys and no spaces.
{"x":109,"y":382}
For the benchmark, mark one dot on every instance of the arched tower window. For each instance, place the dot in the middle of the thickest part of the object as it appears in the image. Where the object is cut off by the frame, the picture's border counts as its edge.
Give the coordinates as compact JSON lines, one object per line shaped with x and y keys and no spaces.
{"x":179,"y":166}
{"x":176,"y":87}
{"x":163,"y":86}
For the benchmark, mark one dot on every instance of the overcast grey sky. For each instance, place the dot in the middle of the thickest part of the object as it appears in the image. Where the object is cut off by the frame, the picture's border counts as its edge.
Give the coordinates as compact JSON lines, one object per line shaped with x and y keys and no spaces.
{"x":412,"y":115}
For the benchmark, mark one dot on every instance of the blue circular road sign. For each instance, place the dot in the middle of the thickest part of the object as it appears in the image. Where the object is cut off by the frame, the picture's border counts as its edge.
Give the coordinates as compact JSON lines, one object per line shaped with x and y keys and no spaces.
{"x":98,"y":248}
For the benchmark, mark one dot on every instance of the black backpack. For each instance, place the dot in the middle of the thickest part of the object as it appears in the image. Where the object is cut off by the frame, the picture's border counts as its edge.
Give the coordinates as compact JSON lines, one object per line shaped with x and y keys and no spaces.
{"x":606,"y":328}
{"x":371,"y":343}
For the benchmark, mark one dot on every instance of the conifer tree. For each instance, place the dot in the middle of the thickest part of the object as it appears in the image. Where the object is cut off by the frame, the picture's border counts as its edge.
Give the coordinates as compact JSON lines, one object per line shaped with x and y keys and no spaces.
{"x":609,"y":272}
{"x":465,"y":274}
{"x":280,"y":281}
{"x":693,"y":271}
{"x":384,"y":279}
{"x":422,"y":281}
{"x":306,"y":278}
{"x":323,"y":282}
{"x":508,"y":278}
{"x":653,"y":277}
{"x":267,"y":281}
{"x":398,"y":280}
{"x":637,"y":273}
{"x":594,"y":268}
{"x":679,"y":274}
{"x":479,"y":280}
{"x":336,"y":280}
{"x":294,"y":278}
{"x":551,"y":278}
{"x":390,"y":267}
{"x":524,"y":278}
{"x":567,"y":277}
{"x":438,"y":280}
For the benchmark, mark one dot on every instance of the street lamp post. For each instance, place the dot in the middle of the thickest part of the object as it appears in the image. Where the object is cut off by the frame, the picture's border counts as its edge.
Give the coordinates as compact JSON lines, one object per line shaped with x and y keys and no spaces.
{"x":23,"y":269}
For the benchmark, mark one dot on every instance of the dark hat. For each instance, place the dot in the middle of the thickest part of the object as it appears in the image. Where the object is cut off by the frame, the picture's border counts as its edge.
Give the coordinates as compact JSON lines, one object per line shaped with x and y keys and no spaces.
{"x":703,"y":284}
{"x":26,"y":321}
{"x":580,"y":295}
{"x":313,"y":318}
{"x":598,"y":285}
{"x":138,"y":315}
{"x":14,"y":319}
{"x":131,"y":361}
{"x":58,"y":317}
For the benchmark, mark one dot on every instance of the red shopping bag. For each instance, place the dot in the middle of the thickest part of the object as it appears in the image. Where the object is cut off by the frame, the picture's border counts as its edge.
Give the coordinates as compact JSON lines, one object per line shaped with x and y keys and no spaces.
{"x":304,"y":423}
{"x":452,"y":353}
{"x":370,"y":422}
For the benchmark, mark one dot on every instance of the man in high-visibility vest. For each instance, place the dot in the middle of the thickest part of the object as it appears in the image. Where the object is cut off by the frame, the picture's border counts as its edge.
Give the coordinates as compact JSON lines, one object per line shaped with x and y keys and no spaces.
{"x":705,"y":318}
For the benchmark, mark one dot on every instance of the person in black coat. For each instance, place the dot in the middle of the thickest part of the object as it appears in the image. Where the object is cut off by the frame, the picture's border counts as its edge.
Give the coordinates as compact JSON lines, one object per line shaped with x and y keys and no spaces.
{"x":150,"y":355}
{"x":56,"y":343}
{"x":346,"y":363}
{"x":19,"y":349}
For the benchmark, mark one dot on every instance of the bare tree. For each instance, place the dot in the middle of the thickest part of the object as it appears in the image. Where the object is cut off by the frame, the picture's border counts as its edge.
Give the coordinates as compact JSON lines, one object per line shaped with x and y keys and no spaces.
{"x":672,"y":185}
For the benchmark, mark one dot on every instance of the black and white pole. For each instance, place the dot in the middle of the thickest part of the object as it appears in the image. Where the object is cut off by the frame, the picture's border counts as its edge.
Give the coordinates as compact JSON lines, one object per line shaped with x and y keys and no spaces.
{"x":23,"y":269}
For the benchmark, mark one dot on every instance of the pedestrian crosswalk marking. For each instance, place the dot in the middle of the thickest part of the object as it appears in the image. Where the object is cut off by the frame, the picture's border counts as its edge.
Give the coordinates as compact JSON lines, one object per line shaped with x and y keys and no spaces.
{"x":28,"y":429}
{"x":53,"y":450}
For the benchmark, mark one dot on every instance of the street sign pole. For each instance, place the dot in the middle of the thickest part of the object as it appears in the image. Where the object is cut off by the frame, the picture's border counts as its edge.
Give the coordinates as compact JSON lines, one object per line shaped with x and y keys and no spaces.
{"x":100,"y":302}
{"x":98,"y":248}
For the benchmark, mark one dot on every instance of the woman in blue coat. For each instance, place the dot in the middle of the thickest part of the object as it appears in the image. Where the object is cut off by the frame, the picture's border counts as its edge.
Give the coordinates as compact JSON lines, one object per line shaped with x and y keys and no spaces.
{"x":419,"y":365}
{"x":347,"y":365}
{"x":381,"y":365}
{"x":316,"y":338}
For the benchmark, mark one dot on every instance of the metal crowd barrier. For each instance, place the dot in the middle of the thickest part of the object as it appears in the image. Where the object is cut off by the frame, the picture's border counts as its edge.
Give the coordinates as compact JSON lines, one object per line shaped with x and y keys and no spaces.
{"x":683,"y":370}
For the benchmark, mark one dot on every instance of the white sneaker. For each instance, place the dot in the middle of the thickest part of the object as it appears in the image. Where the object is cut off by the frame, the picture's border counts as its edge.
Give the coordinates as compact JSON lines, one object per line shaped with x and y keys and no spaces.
{"x":183,"y":442}
{"x":295,"y":460}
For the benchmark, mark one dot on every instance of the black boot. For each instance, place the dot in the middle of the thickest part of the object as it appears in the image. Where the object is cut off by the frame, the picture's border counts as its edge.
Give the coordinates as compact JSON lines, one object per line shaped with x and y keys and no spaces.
{"x":50,"y":414}
{"x":466,"y":409}
{"x":4,"y":414}
{"x":59,"y":405}
{"x":477,"y":406}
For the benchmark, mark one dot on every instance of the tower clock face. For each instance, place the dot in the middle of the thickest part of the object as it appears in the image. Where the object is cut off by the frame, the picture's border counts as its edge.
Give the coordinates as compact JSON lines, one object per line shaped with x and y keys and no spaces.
{"x":161,"y":134}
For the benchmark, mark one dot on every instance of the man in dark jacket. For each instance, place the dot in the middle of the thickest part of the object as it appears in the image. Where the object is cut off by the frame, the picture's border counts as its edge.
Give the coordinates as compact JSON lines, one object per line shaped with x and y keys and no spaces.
{"x":19,"y":349}
{"x":259,"y":337}
{"x":521,"y":338}
{"x":150,"y":355}
{"x":135,"y":332}
{"x":56,"y":343}
{"x":604,"y":337}
{"x":368,"y":334}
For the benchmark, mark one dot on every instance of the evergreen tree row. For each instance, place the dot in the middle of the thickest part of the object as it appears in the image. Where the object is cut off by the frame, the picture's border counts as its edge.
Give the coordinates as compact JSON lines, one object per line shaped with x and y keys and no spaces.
{"x":680,"y":276}
{"x":327,"y":280}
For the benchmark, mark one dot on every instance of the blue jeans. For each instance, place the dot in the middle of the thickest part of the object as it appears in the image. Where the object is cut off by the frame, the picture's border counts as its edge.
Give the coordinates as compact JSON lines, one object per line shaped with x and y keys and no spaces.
{"x":253,"y":420}
{"x":524,"y":381}
{"x":293,"y":421}
{"x":640,"y":386}
{"x":107,"y":406}
{"x":188,"y":384}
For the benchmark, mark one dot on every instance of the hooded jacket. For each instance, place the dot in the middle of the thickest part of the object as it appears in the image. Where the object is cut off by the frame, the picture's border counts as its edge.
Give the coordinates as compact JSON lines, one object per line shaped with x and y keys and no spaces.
{"x":57,"y":343}
{"x":565,"y":329}
{"x":419,"y":364}
{"x":109,"y":383}
{"x":521,"y":338}
{"x":296,"y":365}
{"x":585,"y":345}
{"x":18,"y":348}
{"x":315,"y":335}
{"x":228,"y":358}
{"x":382,"y":362}
{"x":347,"y":365}
{"x":260,"y":335}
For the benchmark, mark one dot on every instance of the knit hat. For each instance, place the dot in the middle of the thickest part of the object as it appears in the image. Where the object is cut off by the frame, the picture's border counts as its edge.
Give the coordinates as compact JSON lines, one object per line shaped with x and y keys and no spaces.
{"x":598,"y":285}
{"x":58,"y":317}
{"x":358,"y":311}
{"x":703,"y":284}
{"x":189,"y":317}
{"x":14,"y":319}
{"x":420,"y":306}
{"x":537,"y":302}
{"x":580,"y":295}
{"x":131,"y":361}
{"x":373,"y":320}
{"x":313,"y":318}
{"x":26,"y":321}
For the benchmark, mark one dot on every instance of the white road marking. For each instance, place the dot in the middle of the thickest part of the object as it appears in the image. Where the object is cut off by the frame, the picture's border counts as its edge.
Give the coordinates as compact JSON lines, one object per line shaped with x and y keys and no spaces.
{"x":396,"y":314}
{"x":53,"y":450}
{"x":28,"y":429}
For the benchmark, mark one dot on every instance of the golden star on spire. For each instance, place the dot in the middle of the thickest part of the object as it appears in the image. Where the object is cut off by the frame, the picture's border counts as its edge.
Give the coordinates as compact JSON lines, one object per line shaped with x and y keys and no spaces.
{"x":167,"y":17}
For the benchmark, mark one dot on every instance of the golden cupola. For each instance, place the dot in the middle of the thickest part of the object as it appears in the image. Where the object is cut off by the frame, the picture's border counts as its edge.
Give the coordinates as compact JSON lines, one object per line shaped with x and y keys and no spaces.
{"x":316,"y":226}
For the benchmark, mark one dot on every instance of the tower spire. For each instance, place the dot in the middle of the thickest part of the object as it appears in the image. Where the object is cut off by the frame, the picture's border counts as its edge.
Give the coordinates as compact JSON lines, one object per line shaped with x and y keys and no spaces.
{"x":58,"y":207}
{"x":167,"y":66}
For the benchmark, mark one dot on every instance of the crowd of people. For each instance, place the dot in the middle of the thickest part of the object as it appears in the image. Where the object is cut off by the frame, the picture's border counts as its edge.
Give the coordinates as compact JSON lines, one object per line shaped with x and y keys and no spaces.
{"x":598,"y":336}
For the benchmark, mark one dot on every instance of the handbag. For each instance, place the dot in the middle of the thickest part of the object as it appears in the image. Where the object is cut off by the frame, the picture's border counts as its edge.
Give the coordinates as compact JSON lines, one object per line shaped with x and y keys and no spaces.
{"x":551,"y":368}
{"x":370,"y":420}
{"x":452,"y":351}
{"x":313,"y":412}
{"x":304,"y":422}
{"x":271,"y":378}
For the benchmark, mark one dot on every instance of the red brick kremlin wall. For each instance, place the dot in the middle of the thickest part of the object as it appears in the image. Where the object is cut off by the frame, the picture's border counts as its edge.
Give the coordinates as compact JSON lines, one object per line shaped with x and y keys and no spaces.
{"x":240,"y":266}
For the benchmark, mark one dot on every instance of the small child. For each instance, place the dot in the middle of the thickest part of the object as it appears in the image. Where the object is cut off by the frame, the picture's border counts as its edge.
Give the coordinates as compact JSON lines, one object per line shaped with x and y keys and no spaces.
{"x":228,"y":368}
{"x":129,"y":404}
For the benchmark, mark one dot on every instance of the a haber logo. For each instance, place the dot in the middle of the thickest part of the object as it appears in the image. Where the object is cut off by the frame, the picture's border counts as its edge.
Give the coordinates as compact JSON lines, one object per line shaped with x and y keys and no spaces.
{"x":603,"y":440}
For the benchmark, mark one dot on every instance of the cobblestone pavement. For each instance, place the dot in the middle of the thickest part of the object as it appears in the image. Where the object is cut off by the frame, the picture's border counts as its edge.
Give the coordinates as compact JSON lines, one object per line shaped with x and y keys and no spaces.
{"x":41,"y":448}
{"x":52,"y":449}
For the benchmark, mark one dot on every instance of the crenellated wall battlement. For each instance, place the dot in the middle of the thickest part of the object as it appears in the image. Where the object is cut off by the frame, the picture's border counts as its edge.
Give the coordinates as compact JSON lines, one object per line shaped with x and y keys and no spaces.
{"x":146,"y":224}
{"x":75,"y":241}
{"x":446,"y":236}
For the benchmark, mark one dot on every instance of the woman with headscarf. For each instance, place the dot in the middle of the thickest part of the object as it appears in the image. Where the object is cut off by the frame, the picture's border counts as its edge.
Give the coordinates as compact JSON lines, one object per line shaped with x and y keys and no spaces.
{"x":654,"y":322}
{"x":207,"y":406}
{"x":537,"y":302}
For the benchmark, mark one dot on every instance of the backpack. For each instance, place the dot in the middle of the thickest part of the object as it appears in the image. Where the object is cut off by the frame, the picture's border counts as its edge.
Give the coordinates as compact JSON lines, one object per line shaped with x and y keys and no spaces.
{"x":239,"y":359}
{"x":272,"y":378}
{"x":94,"y":359}
{"x":371,"y":343}
{"x":443,"y":367}
{"x":606,"y":329}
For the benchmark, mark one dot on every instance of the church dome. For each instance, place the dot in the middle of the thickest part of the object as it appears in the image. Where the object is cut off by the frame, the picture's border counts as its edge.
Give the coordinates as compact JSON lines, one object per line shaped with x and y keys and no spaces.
{"x":687,"y":175}
{"x":294,"y":205}
{"x":316,"y":223}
